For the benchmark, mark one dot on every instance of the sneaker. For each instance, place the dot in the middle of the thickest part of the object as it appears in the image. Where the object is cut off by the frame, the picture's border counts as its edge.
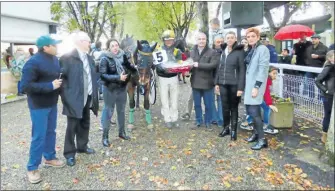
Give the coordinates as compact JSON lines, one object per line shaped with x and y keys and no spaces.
{"x":209,"y":128}
{"x":54,"y":163}
{"x":248,"y":127}
{"x":214,"y":122}
{"x":186,"y":116}
{"x":270,"y":130}
{"x":34,"y":176}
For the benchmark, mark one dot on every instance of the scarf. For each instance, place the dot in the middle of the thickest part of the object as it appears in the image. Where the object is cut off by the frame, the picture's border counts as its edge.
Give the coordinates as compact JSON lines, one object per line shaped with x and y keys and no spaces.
{"x":118,"y":58}
{"x":247,"y":59}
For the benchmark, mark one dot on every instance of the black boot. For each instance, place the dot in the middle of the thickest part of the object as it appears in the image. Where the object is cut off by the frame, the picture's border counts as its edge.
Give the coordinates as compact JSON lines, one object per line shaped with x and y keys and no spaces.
{"x":124,"y":136}
{"x":252,"y":138}
{"x":261,"y":143}
{"x":105,"y":137}
{"x":225,"y":131}
{"x":234,"y":118}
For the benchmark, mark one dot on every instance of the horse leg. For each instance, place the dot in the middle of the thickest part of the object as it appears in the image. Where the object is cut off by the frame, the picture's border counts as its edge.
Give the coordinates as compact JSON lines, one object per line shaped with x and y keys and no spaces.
{"x":131,"y":92}
{"x":147,"y":107}
{"x":138,"y":97}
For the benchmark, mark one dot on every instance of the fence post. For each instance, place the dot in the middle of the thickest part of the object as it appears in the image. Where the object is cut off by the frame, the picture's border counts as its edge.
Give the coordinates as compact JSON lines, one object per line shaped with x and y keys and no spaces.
{"x":281,"y":82}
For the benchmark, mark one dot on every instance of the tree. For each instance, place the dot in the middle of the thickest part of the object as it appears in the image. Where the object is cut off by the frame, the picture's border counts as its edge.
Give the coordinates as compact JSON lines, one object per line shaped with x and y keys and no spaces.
{"x":90,"y":17}
{"x":289,"y":9}
{"x":150,"y":19}
{"x":203,"y":17}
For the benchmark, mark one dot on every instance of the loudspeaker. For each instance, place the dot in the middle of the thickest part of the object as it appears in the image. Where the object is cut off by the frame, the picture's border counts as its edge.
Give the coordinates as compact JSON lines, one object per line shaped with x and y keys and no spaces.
{"x":242,"y":14}
{"x":52,"y":29}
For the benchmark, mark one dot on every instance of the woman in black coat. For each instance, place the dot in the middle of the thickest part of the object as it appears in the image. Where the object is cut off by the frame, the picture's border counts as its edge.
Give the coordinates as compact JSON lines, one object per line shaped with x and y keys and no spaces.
{"x":115,"y":69}
{"x":325,"y":82}
{"x":230,"y":81}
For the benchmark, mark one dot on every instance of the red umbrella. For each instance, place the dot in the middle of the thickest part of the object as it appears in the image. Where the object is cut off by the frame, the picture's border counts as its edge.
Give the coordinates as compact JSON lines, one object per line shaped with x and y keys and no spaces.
{"x":293,"y":32}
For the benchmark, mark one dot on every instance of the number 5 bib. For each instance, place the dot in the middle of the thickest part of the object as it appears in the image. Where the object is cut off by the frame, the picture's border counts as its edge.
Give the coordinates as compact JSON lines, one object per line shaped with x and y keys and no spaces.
{"x":160,"y":57}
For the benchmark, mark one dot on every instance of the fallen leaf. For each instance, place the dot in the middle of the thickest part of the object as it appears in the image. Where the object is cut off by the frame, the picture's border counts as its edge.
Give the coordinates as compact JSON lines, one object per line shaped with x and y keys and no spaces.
{"x":227,"y":184}
{"x":173,"y":168}
{"x":145,"y":159}
{"x":119,"y":184}
{"x":205,"y":187}
{"x":58,"y":148}
{"x":176,"y":184}
{"x":250,"y":152}
{"x":151,"y":178}
{"x":46,"y":186}
{"x":316,"y":150}
{"x":75,"y":181}
{"x":16,"y":166}
{"x":304,"y":175}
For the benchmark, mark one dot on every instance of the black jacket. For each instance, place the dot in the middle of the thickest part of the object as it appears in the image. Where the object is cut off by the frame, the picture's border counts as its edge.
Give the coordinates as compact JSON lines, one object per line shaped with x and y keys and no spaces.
{"x":320,"y":50}
{"x":72,"y":93}
{"x":328,"y":76}
{"x":203,"y":76}
{"x":231,"y":70}
{"x":108,"y":72}
{"x":300,"y":49}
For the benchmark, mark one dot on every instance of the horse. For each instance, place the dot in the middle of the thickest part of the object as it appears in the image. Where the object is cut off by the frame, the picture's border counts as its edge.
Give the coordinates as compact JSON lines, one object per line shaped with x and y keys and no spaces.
{"x":142,"y":58}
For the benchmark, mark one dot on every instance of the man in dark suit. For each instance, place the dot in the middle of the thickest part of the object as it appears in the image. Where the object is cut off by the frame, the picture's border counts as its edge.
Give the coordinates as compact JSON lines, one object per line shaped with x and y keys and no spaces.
{"x":79,"y":96}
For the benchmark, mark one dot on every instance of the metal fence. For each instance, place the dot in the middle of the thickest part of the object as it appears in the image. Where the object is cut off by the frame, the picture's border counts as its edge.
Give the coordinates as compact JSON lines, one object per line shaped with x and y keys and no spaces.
{"x":292,"y":82}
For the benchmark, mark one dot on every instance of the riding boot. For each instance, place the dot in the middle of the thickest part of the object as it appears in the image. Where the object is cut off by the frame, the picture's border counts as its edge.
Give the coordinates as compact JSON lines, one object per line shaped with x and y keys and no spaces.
{"x":105,"y":137}
{"x":234,"y":118}
{"x":225,"y":131}
{"x":148,"y":117}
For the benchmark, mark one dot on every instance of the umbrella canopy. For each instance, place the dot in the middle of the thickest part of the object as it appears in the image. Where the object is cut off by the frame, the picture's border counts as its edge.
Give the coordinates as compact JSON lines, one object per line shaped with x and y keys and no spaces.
{"x":293,"y":32}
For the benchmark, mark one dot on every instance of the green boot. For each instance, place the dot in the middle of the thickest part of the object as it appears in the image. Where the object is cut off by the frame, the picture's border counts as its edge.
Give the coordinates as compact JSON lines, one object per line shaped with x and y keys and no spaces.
{"x":148,"y":117}
{"x":131,"y":116}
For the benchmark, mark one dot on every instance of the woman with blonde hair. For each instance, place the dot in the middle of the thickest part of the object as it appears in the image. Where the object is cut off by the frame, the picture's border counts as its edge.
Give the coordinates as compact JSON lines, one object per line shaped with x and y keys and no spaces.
{"x":257,"y":61}
{"x":325,"y":82}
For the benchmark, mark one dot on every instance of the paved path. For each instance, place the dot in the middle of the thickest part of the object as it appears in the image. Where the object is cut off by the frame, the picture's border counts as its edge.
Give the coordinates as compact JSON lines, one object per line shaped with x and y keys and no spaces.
{"x":168,"y":159}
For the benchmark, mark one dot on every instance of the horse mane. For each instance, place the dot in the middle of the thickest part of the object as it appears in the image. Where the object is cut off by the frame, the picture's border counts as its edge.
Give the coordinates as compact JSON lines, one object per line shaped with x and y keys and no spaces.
{"x":180,"y":44}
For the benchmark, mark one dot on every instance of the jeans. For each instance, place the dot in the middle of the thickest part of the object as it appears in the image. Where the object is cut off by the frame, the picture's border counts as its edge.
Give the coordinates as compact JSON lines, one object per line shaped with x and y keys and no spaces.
{"x":217,"y":111}
{"x":19,"y":90}
{"x":207,"y":95}
{"x":266,"y":114}
{"x":117,"y":97}
{"x":43,"y":138}
{"x":328,"y":105}
{"x":255,"y":112}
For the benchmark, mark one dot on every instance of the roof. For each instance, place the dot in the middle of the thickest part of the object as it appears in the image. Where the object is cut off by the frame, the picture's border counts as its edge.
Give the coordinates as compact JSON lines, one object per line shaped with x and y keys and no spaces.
{"x":312,"y":20}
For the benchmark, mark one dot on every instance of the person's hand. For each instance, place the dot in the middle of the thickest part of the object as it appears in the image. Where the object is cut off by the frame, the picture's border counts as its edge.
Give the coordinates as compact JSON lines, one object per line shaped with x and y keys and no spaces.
{"x":254,"y":92}
{"x":123,"y":76}
{"x":195,"y":64}
{"x":217,"y":89}
{"x":57,"y":83}
{"x":315,"y":56}
{"x":239,"y":93}
{"x":273,"y":108}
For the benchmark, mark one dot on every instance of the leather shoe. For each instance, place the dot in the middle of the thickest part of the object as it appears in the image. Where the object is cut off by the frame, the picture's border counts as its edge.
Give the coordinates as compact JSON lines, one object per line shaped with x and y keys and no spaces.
{"x":87,"y":151}
{"x":71,"y":161}
{"x":225,"y":132}
{"x":124,"y":137}
{"x":253,"y":138}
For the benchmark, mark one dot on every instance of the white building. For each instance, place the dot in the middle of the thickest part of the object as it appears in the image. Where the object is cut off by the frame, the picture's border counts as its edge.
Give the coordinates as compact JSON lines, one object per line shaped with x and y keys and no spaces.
{"x":21,"y":24}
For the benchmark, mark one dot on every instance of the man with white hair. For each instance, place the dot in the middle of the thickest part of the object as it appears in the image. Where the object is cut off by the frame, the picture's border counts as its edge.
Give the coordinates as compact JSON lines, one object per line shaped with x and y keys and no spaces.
{"x":79,"y":96}
{"x":202,"y":80}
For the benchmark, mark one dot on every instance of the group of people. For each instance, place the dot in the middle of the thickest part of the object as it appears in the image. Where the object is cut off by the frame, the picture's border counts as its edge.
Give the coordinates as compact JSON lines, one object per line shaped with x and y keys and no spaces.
{"x":220,"y":76}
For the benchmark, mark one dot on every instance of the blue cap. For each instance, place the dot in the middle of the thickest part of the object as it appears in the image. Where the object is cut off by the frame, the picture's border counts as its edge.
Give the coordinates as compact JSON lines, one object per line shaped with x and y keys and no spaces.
{"x":46,"y":40}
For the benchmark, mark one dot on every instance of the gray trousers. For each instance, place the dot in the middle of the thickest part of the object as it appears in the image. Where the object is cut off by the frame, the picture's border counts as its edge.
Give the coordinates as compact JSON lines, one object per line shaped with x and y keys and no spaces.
{"x":116,"y":97}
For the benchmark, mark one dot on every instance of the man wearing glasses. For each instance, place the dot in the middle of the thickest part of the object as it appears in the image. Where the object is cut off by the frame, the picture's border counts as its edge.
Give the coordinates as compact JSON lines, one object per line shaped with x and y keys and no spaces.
{"x":79,"y":96}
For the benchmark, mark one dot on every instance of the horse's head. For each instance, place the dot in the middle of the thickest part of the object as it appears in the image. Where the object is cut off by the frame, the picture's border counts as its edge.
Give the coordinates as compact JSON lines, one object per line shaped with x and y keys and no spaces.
{"x":128,"y":45}
{"x":143,"y":60}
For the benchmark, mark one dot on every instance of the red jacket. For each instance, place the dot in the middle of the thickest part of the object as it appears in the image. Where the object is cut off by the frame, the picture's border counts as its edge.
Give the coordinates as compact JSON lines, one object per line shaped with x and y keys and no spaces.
{"x":267,"y":95}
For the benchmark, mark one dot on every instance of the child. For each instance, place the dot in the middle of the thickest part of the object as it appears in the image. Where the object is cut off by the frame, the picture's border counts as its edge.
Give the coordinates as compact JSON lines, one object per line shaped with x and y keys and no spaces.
{"x":266,"y":106}
{"x":327,"y":90}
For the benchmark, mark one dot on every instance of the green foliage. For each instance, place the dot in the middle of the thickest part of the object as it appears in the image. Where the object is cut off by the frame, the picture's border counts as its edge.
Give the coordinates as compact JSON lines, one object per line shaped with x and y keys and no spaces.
{"x":148,"y":20}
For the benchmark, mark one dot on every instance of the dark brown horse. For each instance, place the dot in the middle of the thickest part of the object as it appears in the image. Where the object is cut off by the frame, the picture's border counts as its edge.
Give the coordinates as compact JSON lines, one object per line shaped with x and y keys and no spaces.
{"x":142,"y":58}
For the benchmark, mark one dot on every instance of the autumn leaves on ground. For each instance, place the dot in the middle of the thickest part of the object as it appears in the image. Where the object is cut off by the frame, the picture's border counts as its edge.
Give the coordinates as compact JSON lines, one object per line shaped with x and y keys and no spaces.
{"x":177,"y":159}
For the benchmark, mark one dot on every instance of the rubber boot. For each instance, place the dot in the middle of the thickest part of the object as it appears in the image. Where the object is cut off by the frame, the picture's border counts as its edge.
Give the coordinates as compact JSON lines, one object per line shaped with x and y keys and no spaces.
{"x":234,"y":119}
{"x":105,"y":137}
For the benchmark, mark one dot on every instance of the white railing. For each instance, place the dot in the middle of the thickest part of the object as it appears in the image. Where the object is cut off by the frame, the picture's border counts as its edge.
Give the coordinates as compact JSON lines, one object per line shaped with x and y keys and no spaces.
{"x":301,"y":90}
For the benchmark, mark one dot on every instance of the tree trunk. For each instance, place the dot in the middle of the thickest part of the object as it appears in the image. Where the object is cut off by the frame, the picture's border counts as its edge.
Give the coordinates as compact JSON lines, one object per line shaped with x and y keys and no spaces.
{"x":203,"y":17}
{"x":218,"y":9}
{"x":330,"y":140}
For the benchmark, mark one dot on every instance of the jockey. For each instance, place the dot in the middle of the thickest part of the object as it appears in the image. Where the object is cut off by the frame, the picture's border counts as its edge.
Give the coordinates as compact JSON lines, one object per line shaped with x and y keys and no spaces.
{"x":168,"y":82}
